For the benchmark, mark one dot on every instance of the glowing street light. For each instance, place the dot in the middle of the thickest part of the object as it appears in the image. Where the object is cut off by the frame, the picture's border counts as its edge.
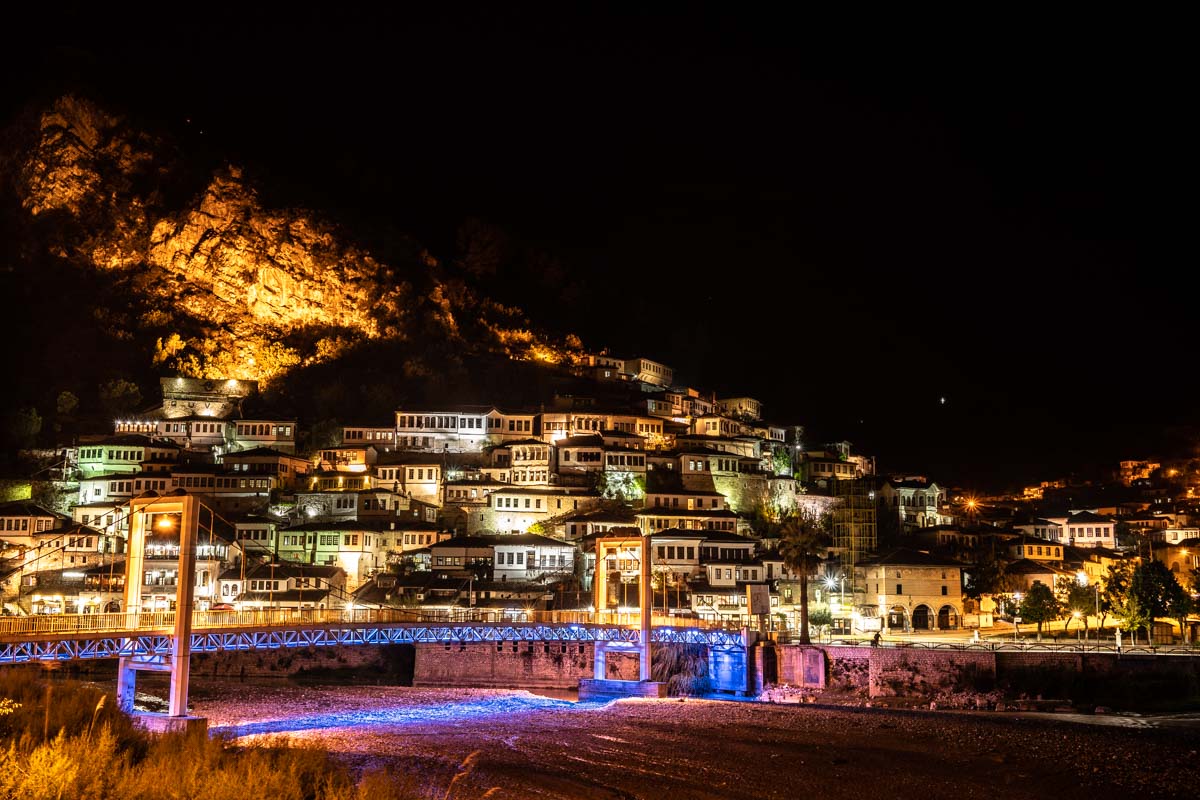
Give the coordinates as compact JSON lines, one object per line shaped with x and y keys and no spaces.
{"x":830,"y":582}
{"x":1017,"y":615}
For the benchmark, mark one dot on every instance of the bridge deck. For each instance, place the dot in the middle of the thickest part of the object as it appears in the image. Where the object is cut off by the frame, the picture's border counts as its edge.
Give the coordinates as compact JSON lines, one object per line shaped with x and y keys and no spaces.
{"x":88,"y":636}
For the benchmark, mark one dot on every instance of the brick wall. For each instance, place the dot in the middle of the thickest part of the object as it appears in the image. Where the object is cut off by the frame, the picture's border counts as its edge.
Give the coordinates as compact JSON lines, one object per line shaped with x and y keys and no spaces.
{"x":534,"y":665}
{"x":288,"y":661}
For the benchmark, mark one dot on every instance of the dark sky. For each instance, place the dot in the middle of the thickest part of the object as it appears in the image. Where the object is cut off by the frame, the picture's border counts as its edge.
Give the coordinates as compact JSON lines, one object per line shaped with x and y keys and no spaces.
{"x":849,"y":232}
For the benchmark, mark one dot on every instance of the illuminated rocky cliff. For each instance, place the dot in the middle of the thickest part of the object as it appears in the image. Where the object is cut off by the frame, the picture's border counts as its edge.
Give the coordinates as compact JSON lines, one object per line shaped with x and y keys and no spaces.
{"x":221,"y":285}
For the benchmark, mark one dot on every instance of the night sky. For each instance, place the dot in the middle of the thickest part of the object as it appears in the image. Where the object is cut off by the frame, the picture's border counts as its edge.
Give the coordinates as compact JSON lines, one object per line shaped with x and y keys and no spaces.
{"x":970,"y":262}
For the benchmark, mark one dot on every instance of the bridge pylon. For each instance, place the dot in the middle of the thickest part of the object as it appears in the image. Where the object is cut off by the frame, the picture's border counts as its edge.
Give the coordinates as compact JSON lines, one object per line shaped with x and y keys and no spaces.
{"x":624,"y":548}
{"x":166,"y":519}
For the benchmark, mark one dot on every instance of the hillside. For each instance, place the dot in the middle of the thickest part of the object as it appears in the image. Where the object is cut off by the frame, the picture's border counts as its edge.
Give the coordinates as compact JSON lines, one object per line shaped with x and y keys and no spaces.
{"x":124,"y":257}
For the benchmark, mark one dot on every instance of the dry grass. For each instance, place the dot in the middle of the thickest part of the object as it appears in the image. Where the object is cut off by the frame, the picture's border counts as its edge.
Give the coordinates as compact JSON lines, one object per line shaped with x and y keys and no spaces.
{"x":69,"y":741}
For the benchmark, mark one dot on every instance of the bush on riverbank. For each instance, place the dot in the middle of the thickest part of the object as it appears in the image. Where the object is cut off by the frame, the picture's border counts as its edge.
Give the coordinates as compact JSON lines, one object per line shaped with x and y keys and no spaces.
{"x":67,"y":741}
{"x":683,"y":667}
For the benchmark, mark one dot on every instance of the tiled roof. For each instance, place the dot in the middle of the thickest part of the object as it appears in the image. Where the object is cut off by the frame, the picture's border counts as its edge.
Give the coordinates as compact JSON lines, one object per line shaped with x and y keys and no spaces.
{"x":904,"y":556}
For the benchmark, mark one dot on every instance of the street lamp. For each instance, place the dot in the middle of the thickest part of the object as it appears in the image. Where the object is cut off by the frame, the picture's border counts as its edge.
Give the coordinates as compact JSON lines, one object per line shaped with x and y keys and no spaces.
{"x":839,"y":582}
{"x":1017,"y":615}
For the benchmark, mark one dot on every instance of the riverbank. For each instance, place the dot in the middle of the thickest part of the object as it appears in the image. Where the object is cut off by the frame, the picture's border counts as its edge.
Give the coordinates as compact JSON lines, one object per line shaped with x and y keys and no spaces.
{"x":530,"y":746}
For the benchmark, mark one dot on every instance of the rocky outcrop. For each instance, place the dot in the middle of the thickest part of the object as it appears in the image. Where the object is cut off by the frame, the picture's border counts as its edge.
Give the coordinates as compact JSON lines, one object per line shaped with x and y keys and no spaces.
{"x":281,"y":268}
{"x":227,"y":287}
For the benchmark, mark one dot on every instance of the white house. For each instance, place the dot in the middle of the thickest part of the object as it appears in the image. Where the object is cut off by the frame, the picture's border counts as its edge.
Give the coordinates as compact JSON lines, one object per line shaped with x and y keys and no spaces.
{"x":530,"y":557}
{"x":1079,"y":529}
{"x":908,"y":590}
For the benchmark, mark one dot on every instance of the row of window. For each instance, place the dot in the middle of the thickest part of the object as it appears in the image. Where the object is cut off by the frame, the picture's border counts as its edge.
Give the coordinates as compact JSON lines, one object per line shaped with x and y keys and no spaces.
{"x":661,"y":523}
{"x":261,"y":468}
{"x":340,"y":482}
{"x":900,"y":589}
{"x":358,"y":434}
{"x":1050,"y":551}
{"x":831,"y":468}
{"x":1091,"y":533}
{"x":209,"y":482}
{"x":445,"y":423}
{"x":673,"y":502}
{"x":92,"y":453}
{"x":716,"y":553}
{"x":261,"y":429}
{"x":672,"y":552}
{"x":22,"y":523}
{"x":515,"y":502}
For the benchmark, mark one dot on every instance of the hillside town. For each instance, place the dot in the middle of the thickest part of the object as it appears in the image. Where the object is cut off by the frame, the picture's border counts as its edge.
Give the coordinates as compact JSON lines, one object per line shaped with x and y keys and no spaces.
{"x":497,"y":507}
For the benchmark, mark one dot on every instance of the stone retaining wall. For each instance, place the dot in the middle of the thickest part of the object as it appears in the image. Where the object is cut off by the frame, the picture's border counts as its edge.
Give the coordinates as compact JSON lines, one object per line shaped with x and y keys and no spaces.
{"x":1120,"y":681}
{"x":903,"y":672}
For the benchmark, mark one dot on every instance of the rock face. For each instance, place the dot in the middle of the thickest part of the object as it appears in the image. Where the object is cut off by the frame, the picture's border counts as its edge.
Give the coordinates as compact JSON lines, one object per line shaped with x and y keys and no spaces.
{"x":281,"y":268}
{"x":227,"y":287}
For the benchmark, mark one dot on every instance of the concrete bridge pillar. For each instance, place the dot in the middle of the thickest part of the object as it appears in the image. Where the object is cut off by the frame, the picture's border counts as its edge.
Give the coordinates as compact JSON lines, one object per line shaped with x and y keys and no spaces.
{"x":730,"y":669}
{"x":126,"y":685}
{"x":598,"y":667}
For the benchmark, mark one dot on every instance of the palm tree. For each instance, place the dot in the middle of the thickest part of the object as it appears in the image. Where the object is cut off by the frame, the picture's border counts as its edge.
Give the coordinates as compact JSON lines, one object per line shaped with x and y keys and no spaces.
{"x":803,"y":542}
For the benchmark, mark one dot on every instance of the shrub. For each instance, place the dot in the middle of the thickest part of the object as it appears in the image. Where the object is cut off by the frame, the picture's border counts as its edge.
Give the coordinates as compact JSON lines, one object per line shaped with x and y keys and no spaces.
{"x":62,"y":740}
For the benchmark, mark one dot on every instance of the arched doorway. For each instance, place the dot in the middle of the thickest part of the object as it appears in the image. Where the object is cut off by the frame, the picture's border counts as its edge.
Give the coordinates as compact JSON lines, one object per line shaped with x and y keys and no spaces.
{"x":112,"y":607}
{"x":895,"y":618}
{"x":920,"y":618}
{"x":947,"y":618}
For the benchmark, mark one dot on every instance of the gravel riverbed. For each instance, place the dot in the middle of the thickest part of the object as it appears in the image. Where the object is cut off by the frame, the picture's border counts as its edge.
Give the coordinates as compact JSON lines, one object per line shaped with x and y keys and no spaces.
{"x":531,"y":746}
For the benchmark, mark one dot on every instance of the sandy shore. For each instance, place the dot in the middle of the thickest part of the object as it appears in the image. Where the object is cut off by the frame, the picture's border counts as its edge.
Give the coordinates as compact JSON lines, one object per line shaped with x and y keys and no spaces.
{"x":531,"y":746}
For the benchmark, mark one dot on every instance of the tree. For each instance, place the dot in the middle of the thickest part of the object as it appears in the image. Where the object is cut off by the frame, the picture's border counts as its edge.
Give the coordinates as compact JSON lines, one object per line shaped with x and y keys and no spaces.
{"x":1133,"y":614}
{"x":802,"y":544}
{"x":1116,"y":587}
{"x":820,"y":618}
{"x":1039,"y":605}
{"x":322,"y":433}
{"x":1079,"y":598}
{"x":66,"y":404}
{"x":1179,"y":605}
{"x":22,"y":426}
{"x":119,"y":396}
{"x":987,"y":576}
{"x":1149,"y":589}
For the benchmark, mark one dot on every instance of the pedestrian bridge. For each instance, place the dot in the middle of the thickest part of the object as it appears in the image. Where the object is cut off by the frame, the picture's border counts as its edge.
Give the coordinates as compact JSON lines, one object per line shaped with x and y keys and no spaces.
{"x":147,"y":637}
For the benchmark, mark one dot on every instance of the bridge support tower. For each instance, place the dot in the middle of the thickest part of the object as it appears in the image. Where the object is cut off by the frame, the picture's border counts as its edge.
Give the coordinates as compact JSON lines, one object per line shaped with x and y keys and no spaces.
{"x":164,"y":518}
